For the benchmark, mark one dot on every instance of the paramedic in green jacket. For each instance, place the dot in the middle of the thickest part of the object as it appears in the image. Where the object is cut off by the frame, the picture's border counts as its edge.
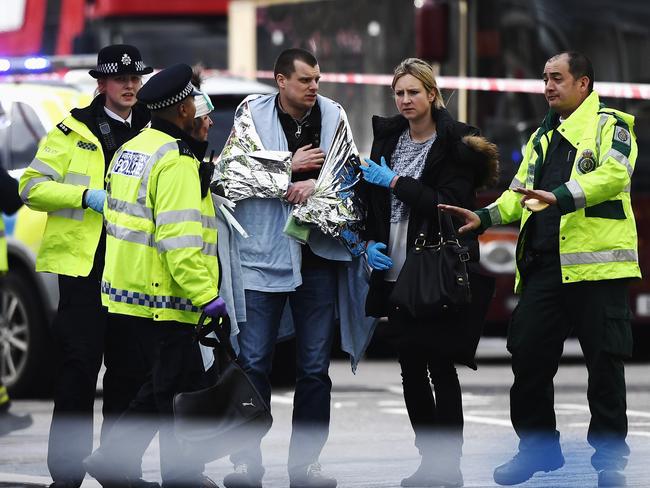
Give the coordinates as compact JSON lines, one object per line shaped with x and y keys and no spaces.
{"x":576,"y":254}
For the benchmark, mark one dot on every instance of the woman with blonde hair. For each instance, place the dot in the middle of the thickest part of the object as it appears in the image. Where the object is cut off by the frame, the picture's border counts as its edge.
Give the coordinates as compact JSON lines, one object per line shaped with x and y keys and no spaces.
{"x":425,"y":157}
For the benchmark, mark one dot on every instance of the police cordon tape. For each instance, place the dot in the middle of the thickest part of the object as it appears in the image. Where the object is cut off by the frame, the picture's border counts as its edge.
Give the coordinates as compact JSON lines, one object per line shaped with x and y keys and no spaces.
{"x":640,"y":91}
{"x":636,"y":91}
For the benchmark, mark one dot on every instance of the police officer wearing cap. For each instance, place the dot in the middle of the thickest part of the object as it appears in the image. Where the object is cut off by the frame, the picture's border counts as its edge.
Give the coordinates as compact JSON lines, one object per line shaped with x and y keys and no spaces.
{"x":66,"y":180}
{"x":162,"y":271}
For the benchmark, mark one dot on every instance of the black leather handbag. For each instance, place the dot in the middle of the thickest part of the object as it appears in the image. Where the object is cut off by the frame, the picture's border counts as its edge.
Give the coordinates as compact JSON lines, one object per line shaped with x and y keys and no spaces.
{"x":434,"y":280}
{"x":227,"y":416}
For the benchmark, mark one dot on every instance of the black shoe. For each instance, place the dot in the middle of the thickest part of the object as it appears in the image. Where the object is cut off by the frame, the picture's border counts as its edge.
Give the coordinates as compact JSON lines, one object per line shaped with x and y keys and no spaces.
{"x":207,"y":483}
{"x":243,"y":477}
{"x":105,"y":472}
{"x":65,"y":484}
{"x":427,"y":475}
{"x":140,"y":483}
{"x":313,"y":478}
{"x":526,"y":463}
{"x":610,"y":477}
{"x":10,"y":422}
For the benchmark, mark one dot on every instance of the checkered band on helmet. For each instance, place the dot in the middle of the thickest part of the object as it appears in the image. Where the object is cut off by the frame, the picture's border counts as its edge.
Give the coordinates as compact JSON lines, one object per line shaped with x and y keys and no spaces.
{"x":167,"y":102}
{"x":107,"y":68}
{"x":139,"y":65}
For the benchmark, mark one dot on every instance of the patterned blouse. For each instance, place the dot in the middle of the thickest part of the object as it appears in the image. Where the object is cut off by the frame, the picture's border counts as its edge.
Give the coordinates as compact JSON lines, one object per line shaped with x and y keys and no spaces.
{"x":407,"y":160}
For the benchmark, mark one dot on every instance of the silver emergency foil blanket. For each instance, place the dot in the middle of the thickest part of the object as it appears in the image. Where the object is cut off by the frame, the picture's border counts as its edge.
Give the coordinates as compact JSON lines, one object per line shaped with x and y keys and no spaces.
{"x":246,"y":169}
{"x":334,"y":208}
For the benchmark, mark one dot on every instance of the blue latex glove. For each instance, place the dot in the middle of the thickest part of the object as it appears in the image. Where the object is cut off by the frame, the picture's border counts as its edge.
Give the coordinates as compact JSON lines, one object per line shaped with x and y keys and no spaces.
{"x":216,"y":308}
{"x":95,"y":199}
{"x":378,"y":175}
{"x":376,"y":258}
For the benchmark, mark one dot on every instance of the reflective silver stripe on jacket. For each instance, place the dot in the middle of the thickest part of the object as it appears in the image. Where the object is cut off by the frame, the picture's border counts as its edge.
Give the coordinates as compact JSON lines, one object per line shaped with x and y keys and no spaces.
{"x":579,"y":197}
{"x":179,"y":242}
{"x":45,"y":169}
{"x":515,"y":183}
{"x":615,"y":256}
{"x":178,"y":216}
{"x":69,"y":213}
{"x":148,"y":239}
{"x":133,"y":209}
{"x":621,"y":158}
{"x":530,"y":178}
{"x":601,"y":123}
{"x":73,"y":213}
{"x":208,"y":222}
{"x":130,"y":235}
{"x":49,"y":174}
{"x":495,"y":215}
{"x":209,"y":249}
{"x":24,"y":195}
{"x":2,"y":233}
{"x":146,"y":300}
{"x":155,"y":157}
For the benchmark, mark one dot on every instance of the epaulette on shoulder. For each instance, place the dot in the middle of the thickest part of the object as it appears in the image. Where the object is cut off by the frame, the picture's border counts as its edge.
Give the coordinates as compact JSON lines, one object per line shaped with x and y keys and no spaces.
{"x":184,"y":149}
{"x":619,"y":120}
{"x":63,"y":128}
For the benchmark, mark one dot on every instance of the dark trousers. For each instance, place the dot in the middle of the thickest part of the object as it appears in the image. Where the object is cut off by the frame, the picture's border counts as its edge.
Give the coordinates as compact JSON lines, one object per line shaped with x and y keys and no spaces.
{"x":312,"y":306}
{"x":548,"y":311}
{"x":175,"y":364}
{"x":83,"y":332}
{"x":436,"y":416}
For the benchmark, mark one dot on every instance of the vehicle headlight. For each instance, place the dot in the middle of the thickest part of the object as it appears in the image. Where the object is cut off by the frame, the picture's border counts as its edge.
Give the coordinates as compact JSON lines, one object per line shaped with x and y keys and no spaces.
{"x":499,"y":255}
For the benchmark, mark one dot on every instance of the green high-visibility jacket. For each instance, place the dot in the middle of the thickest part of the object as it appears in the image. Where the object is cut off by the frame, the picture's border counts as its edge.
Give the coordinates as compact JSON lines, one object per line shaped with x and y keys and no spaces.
{"x":4,"y":264}
{"x":161,"y":236}
{"x":598,"y":238}
{"x":68,"y":162}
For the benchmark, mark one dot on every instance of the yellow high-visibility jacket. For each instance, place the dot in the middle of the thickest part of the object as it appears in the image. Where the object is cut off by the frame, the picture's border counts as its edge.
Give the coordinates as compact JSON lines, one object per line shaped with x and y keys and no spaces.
{"x":598,"y":238}
{"x":161,"y":236}
{"x":68,"y":162}
{"x":4,"y":264}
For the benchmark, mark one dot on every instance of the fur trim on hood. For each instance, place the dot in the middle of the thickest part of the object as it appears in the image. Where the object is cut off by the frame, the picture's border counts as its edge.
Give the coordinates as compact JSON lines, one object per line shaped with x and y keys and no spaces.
{"x":486,"y":160}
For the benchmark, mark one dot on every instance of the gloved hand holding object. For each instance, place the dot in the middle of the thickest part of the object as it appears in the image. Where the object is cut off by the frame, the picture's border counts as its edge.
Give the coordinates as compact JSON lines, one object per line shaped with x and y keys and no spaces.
{"x":216,"y":308}
{"x":376,"y":174}
{"x":376,"y":258}
{"x":95,"y":199}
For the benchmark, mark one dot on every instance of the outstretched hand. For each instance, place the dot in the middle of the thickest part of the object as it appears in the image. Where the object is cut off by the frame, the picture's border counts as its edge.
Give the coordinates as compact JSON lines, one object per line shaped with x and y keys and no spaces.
{"x":535,"y":200}
{"x":471,"y":220}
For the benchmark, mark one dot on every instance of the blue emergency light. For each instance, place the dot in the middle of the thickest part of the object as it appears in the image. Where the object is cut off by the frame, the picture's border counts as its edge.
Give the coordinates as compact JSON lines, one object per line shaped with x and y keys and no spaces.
{"x":22,"y":65}
{"x":36,"y":63}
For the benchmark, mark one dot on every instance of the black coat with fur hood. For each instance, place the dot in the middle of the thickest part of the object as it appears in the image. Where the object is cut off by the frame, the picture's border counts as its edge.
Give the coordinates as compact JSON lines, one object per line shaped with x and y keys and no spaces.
{"x":459,"y":162}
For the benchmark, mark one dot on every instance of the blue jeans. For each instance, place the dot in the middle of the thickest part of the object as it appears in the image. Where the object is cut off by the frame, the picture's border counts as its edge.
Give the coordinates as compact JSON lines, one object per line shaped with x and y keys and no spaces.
{"x":312,"y":307}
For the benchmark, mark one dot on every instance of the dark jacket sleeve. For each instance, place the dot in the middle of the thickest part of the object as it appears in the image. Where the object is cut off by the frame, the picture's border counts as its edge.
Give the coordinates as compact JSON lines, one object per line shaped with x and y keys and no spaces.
{"x":10,"y":200}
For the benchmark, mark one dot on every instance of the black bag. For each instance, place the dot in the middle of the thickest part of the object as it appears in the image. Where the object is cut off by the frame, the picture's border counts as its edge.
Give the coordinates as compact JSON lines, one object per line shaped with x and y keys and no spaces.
{"x":226,"y":417}
{"x":434,"y":279}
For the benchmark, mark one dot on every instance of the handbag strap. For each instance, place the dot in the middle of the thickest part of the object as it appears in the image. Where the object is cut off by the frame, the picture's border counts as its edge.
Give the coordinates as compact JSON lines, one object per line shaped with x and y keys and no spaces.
{"x":221,"y":328}
{"x":446,"y":231}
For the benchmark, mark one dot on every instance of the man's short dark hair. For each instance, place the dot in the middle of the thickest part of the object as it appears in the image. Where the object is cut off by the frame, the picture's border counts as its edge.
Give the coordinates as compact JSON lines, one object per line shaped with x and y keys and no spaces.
{"x":285,"y":62}
{"x":579,"y":66}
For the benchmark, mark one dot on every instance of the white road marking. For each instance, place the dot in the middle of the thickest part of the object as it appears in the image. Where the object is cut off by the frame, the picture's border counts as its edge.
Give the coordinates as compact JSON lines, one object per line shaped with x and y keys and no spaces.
{"x":468,"y":418}
{"x":638,"y":433}
{"x":390,"y":403}
{"x":585,"y":408}
{"x":282,"y":399}
{"x":487,"y":420}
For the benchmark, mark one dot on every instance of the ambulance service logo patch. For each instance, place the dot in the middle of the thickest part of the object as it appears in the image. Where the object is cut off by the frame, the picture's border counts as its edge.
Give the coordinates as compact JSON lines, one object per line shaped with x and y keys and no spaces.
{"x":587,"y":162}
{"x":130,"y":163}
{"x":623,"y":135}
